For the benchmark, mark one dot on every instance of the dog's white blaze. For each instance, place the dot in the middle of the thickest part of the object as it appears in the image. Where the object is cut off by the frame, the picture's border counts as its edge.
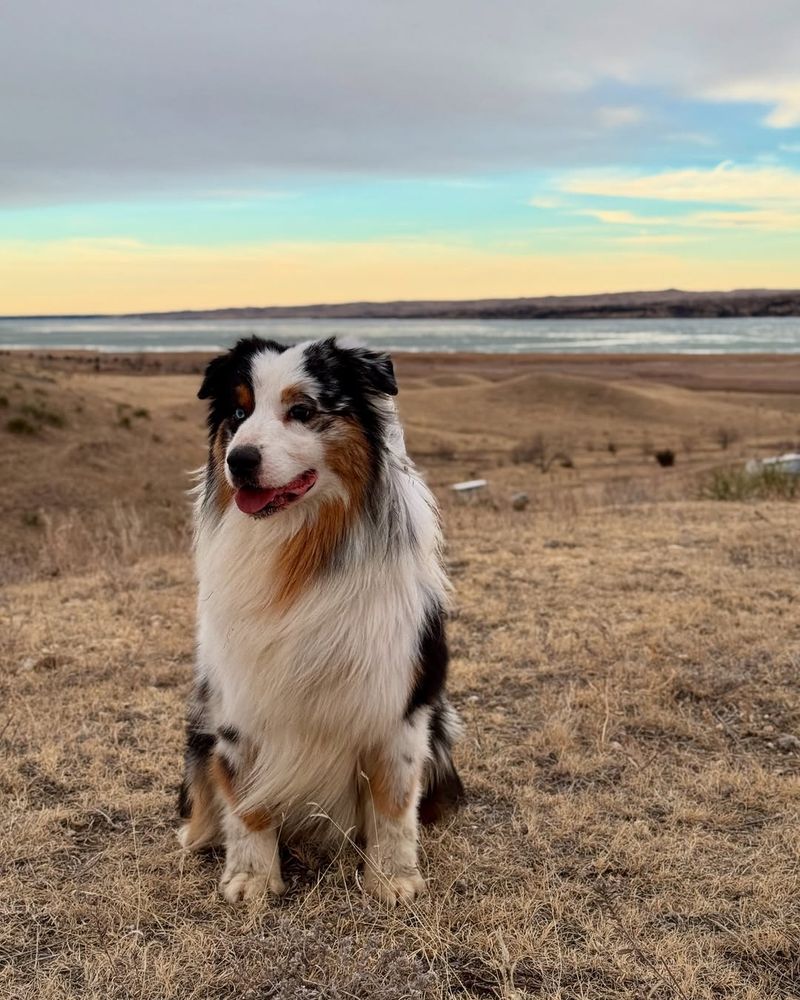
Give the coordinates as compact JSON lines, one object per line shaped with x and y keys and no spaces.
{"x":318,"y":685}
{"x":287,"y":448}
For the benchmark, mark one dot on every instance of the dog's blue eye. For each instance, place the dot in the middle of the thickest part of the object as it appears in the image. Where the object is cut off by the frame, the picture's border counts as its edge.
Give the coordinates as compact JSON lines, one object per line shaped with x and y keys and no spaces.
{"x":239,"y":414}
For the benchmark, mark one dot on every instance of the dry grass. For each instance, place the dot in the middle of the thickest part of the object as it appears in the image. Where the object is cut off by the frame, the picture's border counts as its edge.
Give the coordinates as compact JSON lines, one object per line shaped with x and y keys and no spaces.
{"x":626,"y":662}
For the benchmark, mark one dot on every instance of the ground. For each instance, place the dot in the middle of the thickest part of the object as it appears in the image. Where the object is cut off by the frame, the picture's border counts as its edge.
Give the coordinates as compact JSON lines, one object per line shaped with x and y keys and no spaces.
{"x":625,"y":659}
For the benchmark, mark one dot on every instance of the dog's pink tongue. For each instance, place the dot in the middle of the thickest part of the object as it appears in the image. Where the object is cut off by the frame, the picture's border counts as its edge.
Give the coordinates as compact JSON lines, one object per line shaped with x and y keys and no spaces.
{"x":251,"y":501}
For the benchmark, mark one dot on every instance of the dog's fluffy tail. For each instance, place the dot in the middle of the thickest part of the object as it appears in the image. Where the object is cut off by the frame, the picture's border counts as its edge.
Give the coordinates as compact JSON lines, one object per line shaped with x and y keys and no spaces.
{"x":443,"y":791}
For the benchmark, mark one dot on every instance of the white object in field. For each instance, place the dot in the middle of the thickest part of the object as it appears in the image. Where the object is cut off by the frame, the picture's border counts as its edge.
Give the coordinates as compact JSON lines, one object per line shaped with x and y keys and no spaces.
{"x":470,"y":486}
{"x":469,"y":491}
{"x":788,"y":463}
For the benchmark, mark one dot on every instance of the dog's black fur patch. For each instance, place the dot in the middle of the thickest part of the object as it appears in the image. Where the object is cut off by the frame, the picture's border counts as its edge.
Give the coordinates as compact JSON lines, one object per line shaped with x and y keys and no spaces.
{"x":350,"y":381}
{"x":199,"y":745}
{"x":432,"y":663}
{"x":443,"y":789}
{"x":225,"y":373}
{"x":222,"y":377}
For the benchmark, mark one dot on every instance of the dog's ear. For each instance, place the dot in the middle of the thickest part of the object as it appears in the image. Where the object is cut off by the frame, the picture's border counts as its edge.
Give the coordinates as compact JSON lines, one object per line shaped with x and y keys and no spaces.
{"x":234,"y":364}
{"x":216,"y":374}
{"x":375,"y":369}
{"x":379,"y":371}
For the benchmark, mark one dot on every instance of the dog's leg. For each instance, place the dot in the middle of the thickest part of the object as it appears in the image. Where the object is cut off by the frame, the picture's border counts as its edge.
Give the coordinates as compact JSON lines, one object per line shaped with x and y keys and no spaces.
{"x":389,"y":802}
{"x":200,"y":809}
{"x":252,"y":862}
{"x":198,"y":803}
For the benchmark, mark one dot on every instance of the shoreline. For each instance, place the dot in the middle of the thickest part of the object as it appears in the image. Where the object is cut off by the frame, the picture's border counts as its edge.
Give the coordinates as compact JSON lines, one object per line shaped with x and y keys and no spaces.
{"x":739,"y":372}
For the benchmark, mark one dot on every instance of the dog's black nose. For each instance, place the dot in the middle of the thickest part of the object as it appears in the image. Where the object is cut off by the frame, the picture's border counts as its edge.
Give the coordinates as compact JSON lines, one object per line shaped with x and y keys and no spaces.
{"x":244,"y":460}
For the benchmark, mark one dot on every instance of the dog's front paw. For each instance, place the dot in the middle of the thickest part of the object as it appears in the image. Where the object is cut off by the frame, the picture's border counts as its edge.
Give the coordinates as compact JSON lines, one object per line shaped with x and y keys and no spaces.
{"x":394,"y":889}
{"x":237,"y":887}
{"x":191,"y":840}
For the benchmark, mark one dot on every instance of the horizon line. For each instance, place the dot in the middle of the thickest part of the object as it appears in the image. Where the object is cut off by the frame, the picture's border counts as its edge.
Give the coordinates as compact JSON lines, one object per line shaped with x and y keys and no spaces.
{"x":388,"y":303}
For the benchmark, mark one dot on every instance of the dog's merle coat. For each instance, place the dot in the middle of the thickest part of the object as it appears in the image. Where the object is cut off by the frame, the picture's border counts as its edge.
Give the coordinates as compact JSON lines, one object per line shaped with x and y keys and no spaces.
{"x":319,"y":701}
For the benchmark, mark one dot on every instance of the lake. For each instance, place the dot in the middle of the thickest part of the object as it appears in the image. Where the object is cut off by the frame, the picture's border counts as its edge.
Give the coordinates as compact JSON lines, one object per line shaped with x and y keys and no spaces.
{"x":619,"y":336}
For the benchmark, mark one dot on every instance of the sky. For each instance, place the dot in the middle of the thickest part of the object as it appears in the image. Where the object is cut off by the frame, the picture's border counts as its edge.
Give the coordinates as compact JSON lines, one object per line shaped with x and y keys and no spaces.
{"x":174,"y":154}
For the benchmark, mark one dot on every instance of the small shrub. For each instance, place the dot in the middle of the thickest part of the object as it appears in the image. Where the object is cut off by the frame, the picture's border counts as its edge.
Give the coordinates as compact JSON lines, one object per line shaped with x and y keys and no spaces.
{"x":142,"y":413}
{"x":43,"y":415}
{"x":532,"y":452}
{"x":537,"y":452}
{"x":665,"y":457}
{"x":19,"y":425}
{"x":768,"y":483}
{"x":125,"y":421}
{"x":726,"y":436}
{"x":612,"y":447}
{"x":32,"y":519}
{"x":443,"y":451}
{"x":3,"y":402}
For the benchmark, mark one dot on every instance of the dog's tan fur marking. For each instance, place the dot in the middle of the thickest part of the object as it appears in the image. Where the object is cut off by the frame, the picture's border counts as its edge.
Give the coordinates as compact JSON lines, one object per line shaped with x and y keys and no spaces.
{"x":348,"y":455}
{"x":256,"y":820}
{"x":293,"y":394}
{"x":244,"y":397}
{"x":223,"y":491}
{"x":223,"y":776}
{"x":308,"y":552}
{"x":387,"y":796}
{"x":202,"y":826}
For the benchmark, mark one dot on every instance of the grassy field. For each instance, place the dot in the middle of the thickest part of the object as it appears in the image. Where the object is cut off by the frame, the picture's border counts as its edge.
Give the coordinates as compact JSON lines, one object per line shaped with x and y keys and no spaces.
{"x":626,"y":654}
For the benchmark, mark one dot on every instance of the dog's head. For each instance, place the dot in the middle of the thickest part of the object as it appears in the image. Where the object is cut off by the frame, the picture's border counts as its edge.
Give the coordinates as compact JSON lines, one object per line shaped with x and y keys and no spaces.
{"x":291,"y":423}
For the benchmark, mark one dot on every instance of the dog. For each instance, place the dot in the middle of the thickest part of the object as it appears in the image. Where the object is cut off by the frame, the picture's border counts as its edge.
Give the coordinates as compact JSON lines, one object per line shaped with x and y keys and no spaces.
{"x":319,"y":704}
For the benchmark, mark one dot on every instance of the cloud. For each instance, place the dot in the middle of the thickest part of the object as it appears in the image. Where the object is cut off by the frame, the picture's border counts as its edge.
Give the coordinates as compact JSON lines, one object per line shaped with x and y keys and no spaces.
{"x":545,"y":202}
{"x":691,"y":138}
{"x":767,"y":198}
{"x":785,"y":216}
{"x":619,"y":117}
{"x":99,"y":98}
{"x":727,"y":183}
{"x":761,"y":219}
{"x":621,"y":217}
{"x":658,"y":239}
{"x":782,"y":94}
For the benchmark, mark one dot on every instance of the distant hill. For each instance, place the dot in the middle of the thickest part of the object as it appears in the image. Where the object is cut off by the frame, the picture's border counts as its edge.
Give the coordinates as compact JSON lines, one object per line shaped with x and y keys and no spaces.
{"x":672,"y":302}
{"x":634,"y":305}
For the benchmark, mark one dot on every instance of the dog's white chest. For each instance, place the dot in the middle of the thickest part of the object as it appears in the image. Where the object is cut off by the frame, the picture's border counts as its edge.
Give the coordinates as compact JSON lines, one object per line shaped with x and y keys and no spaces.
{"x":338,"y":660}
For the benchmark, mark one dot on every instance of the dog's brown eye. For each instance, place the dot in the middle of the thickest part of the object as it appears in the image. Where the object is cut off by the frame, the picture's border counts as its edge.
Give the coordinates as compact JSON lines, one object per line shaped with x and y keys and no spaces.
{"x":300,"y":412}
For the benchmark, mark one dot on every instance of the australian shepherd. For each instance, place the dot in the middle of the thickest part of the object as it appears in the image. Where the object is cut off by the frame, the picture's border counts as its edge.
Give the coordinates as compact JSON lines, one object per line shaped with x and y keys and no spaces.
{"x":319,"y":697}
